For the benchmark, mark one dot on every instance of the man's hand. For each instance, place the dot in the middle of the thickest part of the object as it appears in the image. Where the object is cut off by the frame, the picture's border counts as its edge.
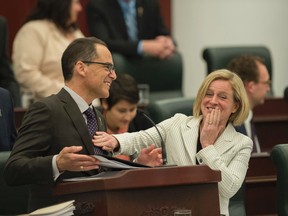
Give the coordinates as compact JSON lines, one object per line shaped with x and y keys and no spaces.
{"x":161,"y":47}
{"x":68,"y":160}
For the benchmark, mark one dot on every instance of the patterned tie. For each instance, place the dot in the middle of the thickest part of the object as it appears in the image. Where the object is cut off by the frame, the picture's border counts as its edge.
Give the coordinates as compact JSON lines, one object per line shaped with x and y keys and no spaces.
{"x":92,"y":127}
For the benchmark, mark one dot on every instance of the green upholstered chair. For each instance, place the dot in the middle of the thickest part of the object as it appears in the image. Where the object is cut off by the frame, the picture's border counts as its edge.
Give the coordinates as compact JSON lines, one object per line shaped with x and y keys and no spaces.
{"x":279,"y":156}
{"x":164,"y":77}
{"x":13,"y":200}
{"x":237,"y":202}
{"x":160,"y":110}
{"x":219,"y":57}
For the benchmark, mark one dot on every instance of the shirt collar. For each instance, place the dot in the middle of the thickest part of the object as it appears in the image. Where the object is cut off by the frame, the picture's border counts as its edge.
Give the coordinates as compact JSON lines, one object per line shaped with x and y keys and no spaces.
{"x":81,"y":103}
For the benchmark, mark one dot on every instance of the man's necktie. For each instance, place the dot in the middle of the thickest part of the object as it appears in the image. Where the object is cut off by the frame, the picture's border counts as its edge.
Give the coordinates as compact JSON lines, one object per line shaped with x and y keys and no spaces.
{"x":131,"y":24}
{"x":92,"y":127}
{"x":254,"y":137}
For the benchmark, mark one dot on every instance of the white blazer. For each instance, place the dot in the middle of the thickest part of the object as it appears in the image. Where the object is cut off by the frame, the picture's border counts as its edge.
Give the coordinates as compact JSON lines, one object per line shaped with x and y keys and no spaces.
{"x":230,"y":153}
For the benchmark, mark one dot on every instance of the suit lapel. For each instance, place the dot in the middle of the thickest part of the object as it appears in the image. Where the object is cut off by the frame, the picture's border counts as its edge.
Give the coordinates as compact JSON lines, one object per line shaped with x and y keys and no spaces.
{"x":76,"y":117}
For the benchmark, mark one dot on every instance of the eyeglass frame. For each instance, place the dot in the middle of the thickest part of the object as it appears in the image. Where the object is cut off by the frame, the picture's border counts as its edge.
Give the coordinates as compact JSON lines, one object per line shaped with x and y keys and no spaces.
{"x":268,"y":82}
{"x":111,"y":67}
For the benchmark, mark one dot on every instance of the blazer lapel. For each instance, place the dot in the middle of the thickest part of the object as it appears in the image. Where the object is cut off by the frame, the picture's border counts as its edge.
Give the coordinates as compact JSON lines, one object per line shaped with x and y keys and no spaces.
{"x":189,"y":139}
{"x":224,"y":142}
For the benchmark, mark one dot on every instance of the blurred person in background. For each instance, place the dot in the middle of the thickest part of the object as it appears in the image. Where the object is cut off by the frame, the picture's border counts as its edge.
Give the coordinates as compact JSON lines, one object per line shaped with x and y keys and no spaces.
{"x":120,"y":109}
{"x":39,"y":45}
{"x":7,"y":78}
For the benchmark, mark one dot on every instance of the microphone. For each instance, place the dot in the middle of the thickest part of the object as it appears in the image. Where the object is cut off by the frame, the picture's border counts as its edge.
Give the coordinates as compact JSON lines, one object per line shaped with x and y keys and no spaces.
{"x":164,"y":155}
{"x":286,"y":94}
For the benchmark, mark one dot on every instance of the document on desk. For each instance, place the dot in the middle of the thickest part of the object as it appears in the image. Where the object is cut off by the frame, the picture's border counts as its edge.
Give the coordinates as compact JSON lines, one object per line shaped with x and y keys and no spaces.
{"x":116,"y":163}
{"x":105,"y":174}
{"x":111,"y":162}
{"x":61,"y":209}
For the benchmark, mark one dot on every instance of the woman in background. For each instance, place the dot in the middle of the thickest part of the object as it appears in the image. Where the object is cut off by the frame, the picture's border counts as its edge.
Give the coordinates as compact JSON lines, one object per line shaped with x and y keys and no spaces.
{"x":120,"y":109}
{"x":39,"y":44}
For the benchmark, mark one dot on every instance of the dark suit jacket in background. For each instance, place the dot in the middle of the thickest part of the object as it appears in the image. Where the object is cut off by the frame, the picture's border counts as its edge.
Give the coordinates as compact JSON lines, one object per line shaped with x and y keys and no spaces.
{"x":106,"y":21}
{"x":8,"y":131}
{"x":7,"y":79}
{"x":48,"y":126}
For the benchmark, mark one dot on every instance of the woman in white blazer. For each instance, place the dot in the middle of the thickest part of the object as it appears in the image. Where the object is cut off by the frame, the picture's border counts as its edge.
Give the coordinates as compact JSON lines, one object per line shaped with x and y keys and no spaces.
{"x":207,"y":138}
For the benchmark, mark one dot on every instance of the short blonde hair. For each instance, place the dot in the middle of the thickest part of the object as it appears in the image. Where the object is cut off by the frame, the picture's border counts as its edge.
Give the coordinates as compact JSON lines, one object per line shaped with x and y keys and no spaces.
{"x":239,"y":95}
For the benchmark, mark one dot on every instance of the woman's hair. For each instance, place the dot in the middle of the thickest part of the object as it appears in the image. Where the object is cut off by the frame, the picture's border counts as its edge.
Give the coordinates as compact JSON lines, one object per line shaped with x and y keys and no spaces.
{"x":57,"y":11}
{"x":123,"y":88}
{"x":239,"y":95}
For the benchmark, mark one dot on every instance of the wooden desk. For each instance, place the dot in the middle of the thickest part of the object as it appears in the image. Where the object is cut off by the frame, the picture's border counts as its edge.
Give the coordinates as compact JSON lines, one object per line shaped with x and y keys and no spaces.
{"x":260,"y":181}
{"x":143,"y":192}
{"x":271,"y":122}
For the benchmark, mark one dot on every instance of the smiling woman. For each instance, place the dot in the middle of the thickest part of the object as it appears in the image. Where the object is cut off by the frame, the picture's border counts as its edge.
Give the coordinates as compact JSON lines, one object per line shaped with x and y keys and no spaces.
{"x":207,"y":138}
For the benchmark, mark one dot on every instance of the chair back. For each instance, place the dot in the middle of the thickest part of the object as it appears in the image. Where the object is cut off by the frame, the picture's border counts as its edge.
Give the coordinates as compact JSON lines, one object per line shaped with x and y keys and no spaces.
{"x":219,"y":57}
{"x":164,"y":77}
{"x":160,"y":110}
{"x":279,"y":156}
{"x":13,"y":200}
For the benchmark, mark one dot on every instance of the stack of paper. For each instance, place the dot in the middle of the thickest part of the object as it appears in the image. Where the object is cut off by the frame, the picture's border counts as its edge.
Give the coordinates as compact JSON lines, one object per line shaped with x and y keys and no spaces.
{"x":61,"y":209}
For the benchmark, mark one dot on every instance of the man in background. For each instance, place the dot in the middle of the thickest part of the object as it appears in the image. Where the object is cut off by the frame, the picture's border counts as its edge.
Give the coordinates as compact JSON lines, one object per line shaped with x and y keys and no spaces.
{"x":254,"y":74}
{"x":138,"y":39}
{"x":7,"y":79}
{"x":8,"y":131}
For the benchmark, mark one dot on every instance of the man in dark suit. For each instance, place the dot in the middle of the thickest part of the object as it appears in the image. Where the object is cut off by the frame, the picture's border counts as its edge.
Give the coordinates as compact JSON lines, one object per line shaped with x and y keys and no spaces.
{"x":147,"y":49}
{"x":8,"y":131}
{"x":254,"y":74}
{"x":54,"y":142}
{"x":7,"y":79}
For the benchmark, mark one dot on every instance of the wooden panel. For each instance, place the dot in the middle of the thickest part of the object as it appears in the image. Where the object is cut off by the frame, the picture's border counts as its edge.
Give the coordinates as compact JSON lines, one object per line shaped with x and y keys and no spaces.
{"x":153,"y":191}
{"x":271,"y":122}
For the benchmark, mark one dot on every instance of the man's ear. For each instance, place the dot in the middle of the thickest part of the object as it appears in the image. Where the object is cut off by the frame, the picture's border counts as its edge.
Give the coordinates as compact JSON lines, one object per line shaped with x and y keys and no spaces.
{"x":249,"y":86}
{"x":81,"y":68}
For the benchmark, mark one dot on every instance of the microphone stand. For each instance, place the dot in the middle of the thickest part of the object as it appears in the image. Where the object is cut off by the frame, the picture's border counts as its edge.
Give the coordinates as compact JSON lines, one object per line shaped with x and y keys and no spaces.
{"x":164,"y":154}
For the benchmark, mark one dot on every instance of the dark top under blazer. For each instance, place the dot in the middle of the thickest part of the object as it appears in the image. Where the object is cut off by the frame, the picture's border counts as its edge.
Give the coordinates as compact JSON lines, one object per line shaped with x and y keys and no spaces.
{"x":48,"y":126}
{"x":106,"y":21}
{"x":8,"y":131}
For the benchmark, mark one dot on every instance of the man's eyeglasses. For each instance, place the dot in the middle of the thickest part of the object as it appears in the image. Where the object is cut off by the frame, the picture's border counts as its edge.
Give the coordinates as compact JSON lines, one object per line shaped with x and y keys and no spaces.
{"x":268,"y":82}
{"x":110,"y":67}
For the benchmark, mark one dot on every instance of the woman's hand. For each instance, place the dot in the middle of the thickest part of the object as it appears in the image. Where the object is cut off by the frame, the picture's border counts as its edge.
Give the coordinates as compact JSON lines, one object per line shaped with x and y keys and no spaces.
{"x":211,"y":128}
{"x":105,"y":141}
{"x":150,"y":156}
